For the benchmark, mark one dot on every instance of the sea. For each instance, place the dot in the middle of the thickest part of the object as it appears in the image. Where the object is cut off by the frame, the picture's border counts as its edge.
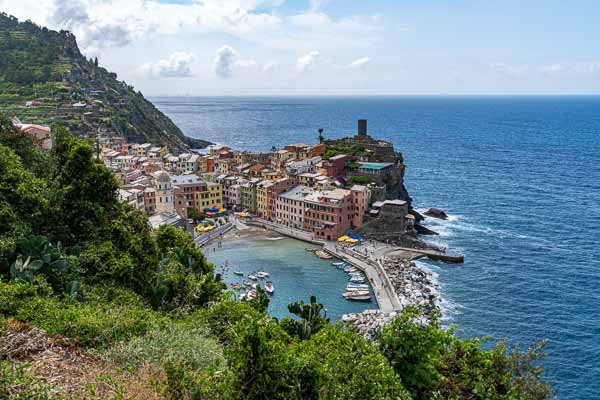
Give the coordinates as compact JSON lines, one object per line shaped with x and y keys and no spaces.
{"x":520,"y":179}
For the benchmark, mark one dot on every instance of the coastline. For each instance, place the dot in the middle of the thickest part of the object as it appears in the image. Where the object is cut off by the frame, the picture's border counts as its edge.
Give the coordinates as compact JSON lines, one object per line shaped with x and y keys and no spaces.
{"x":397,"y":281}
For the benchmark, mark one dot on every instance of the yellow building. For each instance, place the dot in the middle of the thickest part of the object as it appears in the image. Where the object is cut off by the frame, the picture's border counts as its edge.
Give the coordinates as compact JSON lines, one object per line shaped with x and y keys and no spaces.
{"x":262,"y":202}
{"x":210,"y":195}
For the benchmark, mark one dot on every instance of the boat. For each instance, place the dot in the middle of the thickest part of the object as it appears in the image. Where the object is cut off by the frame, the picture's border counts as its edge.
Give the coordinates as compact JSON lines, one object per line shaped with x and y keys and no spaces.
{"x":269,"y":288}
{"x":262,"y":274}
{"x":236,"y":286}
{"x":355,"y":284}
{"x":356,"y":293}
{"x":354,"y":288}
{"x":357,"y":275}
{"x":311,"y":250}
{"x":357,"y":279}
{"x":240,"y":273}
{"x":365,"y":297}
{"x":338,"y":264}
{"x":321,"y":254}
{"x":247,"y":283}
{"x":351,"y":269}
{"x":253,"y":277}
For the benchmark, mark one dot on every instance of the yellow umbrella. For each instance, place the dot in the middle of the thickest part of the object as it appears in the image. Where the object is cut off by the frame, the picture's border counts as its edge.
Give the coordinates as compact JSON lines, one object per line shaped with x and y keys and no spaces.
{"x":343,"y":238}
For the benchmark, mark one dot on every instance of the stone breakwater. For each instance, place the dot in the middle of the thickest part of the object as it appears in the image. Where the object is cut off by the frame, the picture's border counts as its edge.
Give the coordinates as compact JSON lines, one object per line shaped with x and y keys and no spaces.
{"x":414,"y":287}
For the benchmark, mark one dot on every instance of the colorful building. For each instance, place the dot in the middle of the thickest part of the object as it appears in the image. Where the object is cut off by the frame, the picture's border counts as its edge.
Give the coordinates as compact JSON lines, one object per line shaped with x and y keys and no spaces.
{"x":328,"y":214}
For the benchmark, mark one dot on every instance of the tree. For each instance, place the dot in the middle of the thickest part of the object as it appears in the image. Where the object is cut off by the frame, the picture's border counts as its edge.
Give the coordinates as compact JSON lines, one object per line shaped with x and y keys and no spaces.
{"x":321,"y":138}
{"x":313,"y":318}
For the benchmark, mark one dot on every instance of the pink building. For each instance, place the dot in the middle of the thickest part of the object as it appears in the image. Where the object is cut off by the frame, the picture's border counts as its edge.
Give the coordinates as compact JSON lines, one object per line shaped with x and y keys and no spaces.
{"x":277,"y":187}
{"x":289,"y":207}
{"x":328,"y":214}
{"x":361,"y":197}
{"x":41,"y":135}
{"x":336,"y":164}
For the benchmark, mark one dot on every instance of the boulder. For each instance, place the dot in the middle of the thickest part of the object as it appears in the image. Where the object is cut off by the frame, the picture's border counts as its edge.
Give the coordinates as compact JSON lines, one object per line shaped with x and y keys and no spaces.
{"x":422,"y":230}
{"x":436,"y":213}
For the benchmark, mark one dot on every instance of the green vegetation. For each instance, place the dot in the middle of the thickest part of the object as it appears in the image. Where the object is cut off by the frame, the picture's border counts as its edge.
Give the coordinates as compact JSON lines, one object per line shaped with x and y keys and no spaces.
{"x":46,"y":69}
{"x":149,"y":309}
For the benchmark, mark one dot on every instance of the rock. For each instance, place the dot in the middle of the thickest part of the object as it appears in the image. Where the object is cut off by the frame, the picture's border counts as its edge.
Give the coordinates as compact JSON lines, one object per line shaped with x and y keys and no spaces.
{"x":422,"y":230}
{"x":436,"y":213}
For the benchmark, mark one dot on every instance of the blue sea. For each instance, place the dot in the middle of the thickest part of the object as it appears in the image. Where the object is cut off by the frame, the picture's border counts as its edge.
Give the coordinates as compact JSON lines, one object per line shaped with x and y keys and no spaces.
{"x":520,"y":178}
{"x":296,"y":274}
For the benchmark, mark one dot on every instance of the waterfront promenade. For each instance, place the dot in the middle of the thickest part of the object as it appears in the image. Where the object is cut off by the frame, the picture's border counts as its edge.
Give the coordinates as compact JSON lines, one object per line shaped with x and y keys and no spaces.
{"x":385,"y":295}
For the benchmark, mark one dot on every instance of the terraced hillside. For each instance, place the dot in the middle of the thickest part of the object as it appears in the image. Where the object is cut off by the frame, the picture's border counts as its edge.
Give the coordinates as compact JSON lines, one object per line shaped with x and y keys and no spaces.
{"x":45,"y":79}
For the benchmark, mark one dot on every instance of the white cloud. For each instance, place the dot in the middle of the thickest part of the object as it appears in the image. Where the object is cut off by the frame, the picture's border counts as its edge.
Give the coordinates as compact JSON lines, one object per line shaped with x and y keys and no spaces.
{"x":176,"y":65}
{"x":309,"y":61}
{"x":223,"y":61}
{"x":594,"y":67}
{"x":359,"y":63}
{"x":510,"y":71}
{"x":270,"y":66}
{"x":554,"y":69}
{"x":227,"y":60}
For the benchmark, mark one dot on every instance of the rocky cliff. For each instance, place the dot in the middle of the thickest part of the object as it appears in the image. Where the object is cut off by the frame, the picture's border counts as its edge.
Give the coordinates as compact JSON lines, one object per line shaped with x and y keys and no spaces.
{"x":45,"y":79}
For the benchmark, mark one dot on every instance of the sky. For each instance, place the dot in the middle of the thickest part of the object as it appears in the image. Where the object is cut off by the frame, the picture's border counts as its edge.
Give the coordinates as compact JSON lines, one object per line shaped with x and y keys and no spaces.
{"x":335,"y":47}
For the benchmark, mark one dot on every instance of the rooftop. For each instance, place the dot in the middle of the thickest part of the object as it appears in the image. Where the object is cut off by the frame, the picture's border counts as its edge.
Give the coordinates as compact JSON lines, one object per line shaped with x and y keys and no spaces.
{"x":374,"y":165}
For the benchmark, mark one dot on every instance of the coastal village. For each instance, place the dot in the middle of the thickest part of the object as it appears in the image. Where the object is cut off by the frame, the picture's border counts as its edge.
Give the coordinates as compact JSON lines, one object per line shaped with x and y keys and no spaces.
{"x":346,"y":195}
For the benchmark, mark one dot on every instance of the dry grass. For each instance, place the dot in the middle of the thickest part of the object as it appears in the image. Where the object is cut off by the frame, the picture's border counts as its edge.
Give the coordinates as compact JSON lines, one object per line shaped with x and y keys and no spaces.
{"x":73,"y":370}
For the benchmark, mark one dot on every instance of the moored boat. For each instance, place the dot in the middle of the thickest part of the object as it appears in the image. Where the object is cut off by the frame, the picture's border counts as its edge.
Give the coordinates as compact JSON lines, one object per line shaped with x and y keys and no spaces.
{"x":361,"y":297}
{"x":321,"y":254}
{"x":269,"y":288}
{"x":352,"y":288}
{"x":252,"y":277}
{"x":262,"y":274}
{"x":357,"y":279}
{"x":338,"y":264}
{"x":240,"y":273}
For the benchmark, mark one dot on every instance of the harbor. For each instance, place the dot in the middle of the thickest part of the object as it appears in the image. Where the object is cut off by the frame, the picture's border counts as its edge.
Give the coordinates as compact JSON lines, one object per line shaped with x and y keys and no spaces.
{"x":296,"y":274}
{"x":365,"y":283}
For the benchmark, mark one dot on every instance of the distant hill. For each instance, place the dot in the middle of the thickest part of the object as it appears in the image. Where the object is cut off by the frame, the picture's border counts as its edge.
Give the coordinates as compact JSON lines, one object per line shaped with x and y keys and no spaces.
{"x":45,"y":79}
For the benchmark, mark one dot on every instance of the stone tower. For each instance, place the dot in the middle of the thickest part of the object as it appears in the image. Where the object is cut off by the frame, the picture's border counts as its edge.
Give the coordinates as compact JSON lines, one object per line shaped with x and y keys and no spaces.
{"x":164,"y":192}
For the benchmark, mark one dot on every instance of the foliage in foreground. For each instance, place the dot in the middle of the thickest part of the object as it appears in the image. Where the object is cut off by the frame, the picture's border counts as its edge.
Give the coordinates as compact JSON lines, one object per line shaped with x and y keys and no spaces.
{"x":75,"y":261}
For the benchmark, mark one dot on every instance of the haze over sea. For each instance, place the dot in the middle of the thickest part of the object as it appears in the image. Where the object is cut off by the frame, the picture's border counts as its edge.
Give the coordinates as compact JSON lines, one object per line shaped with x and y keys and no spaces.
{"x":520,"y":177}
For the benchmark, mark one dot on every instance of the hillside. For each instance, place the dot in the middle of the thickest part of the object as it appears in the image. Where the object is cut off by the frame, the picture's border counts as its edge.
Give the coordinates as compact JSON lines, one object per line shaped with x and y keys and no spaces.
{"x":45,"y":79}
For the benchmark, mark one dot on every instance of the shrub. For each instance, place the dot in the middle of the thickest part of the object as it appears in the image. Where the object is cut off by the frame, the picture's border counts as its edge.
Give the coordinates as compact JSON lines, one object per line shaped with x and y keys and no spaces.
{"x":116,"y":314}
{"x":347,"y":366}
{"x":172,"y":344}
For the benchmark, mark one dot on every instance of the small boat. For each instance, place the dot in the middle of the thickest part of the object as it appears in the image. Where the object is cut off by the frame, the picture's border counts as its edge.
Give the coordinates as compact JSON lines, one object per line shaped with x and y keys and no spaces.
{"x":311,"y":250}
{"x":236,"y":286}
{"x":240,"y":273}
{"x":357,"y":279}
{"x":262,"y":274}
{"x":365,"y":297}
{"x":338,"y":264}
{"x":252,"y":277}
{"x":357,"y":275}
{"x":269,"y":288}
{"x":354,"y":284}
{"x":350,"y":269}
{"x":247,"y":283}
{"x":321,"y":254}
{"x":353,"y":288}
{"x":355,"y":293}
